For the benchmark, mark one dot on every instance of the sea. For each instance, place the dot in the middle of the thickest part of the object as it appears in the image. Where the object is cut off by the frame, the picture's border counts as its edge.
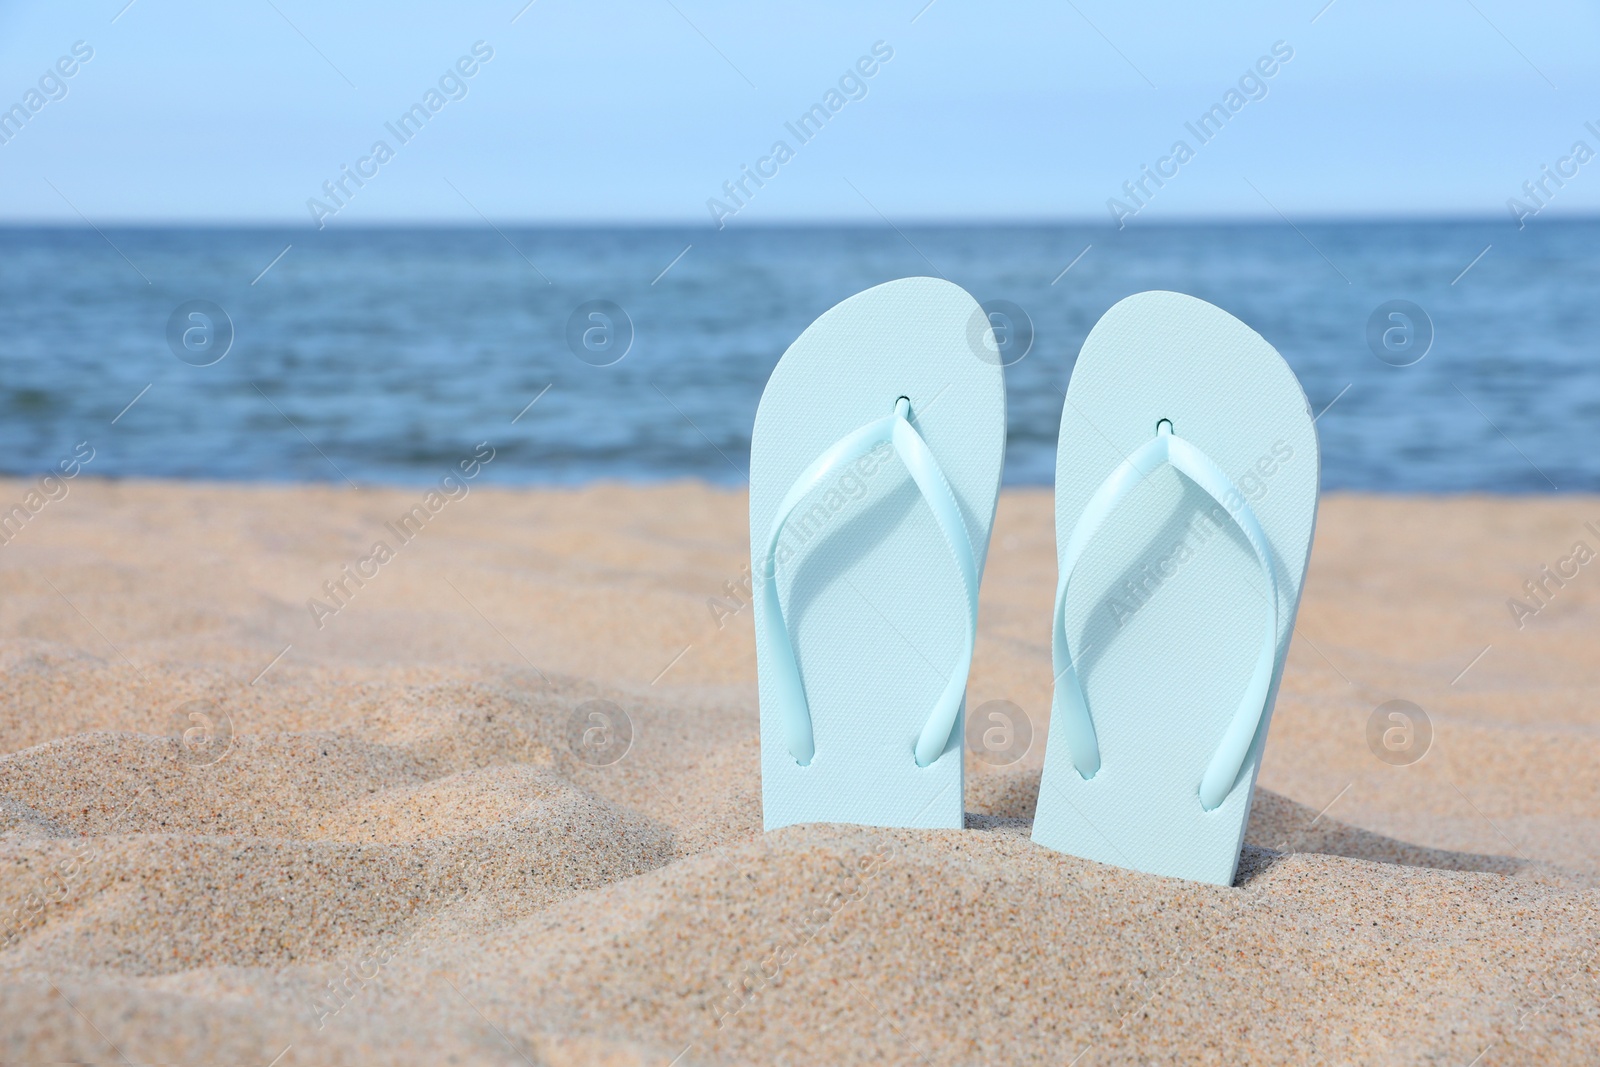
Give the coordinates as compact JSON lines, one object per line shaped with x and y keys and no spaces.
{"x":1438,"y":356}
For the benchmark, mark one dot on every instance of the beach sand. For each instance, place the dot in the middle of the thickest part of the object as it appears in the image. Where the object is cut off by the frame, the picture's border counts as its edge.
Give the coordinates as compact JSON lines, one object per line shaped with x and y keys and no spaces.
{"x":386,"y":846}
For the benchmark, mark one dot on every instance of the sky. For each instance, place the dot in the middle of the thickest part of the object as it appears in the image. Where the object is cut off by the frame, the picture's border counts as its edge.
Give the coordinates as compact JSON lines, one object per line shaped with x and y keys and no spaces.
{"x":191,"y":112}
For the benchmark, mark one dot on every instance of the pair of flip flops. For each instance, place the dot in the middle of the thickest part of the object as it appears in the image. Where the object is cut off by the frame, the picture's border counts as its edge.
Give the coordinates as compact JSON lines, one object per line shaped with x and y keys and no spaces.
{"x":1186,"y":494}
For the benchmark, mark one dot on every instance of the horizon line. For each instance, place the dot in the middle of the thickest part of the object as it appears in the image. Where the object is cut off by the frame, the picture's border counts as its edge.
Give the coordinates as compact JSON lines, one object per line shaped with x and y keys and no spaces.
{"x":923,"y":222}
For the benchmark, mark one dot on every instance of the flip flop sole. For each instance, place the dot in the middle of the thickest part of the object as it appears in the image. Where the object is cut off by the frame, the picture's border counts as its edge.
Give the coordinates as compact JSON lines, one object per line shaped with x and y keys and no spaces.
{"x":1167,"y":606}
{"x":872,"y":597}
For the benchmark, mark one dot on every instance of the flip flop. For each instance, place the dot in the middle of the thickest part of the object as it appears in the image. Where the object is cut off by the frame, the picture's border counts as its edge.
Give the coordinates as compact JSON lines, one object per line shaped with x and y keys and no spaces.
{"x":1186,"y":495}
{"x":874,"y":472}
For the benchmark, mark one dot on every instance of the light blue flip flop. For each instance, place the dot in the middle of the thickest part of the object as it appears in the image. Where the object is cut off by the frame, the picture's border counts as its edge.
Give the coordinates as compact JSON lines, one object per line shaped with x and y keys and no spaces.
{"x":874,"y":472}
{"x":1186,"y":495}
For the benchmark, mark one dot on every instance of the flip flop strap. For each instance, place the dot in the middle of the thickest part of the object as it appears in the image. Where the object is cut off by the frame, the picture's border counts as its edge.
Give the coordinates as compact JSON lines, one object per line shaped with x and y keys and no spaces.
{"x":785,"y":675}
{"x":1071,"y":709}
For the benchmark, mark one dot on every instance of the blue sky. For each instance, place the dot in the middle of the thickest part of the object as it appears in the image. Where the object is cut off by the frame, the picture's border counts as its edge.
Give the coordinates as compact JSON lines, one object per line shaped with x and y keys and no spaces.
{"x":640,"y":111}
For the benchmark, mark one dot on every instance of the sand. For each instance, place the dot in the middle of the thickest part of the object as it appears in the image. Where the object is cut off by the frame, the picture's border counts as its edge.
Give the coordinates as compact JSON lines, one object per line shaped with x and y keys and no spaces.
{"x":387,"y":848}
